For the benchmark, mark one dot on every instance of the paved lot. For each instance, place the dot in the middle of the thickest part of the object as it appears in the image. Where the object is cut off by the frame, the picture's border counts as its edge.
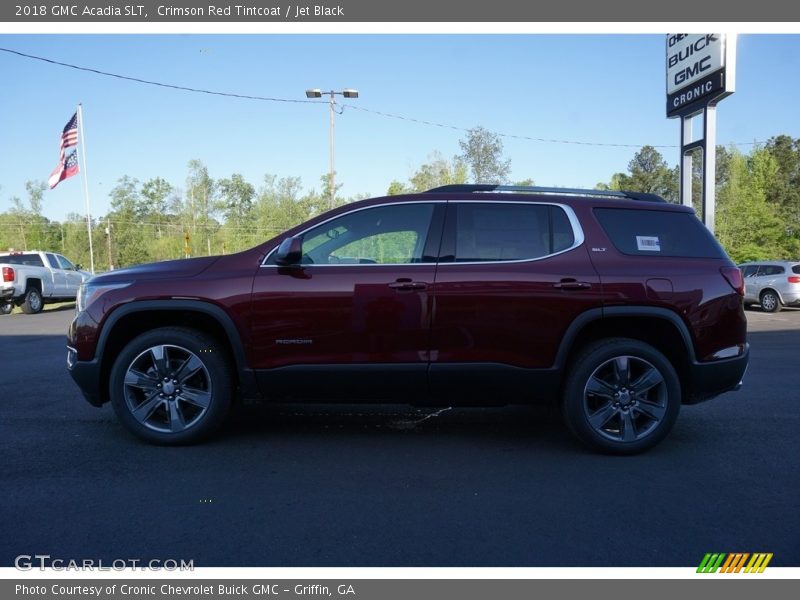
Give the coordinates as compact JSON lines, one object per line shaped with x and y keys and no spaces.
{"x":350,"y":486}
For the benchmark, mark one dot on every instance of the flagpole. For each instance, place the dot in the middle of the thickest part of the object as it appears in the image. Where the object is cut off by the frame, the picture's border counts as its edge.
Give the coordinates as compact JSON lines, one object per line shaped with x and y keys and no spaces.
{"x":85,"y":182}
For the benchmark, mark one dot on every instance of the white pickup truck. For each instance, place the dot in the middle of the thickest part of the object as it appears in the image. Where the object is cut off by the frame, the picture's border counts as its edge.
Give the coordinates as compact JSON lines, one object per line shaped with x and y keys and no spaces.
{"x":30,"y":279}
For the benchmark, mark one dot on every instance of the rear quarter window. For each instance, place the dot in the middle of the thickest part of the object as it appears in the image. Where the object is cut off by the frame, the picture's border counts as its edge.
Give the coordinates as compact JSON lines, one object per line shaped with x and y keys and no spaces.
{"x":658,"y":233}
{"x":796,"y":269}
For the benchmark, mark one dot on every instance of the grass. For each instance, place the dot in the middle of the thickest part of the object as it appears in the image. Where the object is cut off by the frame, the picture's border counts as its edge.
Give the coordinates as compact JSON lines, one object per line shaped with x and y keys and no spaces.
{"x":47,"y":307}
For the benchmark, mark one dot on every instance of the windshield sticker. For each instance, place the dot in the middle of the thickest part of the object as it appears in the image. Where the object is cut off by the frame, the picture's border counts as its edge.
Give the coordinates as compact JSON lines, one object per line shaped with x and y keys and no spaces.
{"x":648,"y":243}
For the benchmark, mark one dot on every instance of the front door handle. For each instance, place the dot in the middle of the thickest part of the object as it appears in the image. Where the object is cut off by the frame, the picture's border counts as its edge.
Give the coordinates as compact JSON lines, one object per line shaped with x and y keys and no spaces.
{"x":406,"y":285}
{"x":572,"y":284}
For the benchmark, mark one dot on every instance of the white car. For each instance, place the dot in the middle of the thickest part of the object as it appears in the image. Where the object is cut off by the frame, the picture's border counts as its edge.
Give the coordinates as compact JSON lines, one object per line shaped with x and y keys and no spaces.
{"x":771,"y":283}
{"x":30,"y":279}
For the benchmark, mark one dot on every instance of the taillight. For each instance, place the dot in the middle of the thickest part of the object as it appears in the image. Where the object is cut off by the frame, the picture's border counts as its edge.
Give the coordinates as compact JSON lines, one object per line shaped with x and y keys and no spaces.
{"x":794,"y":279}
{"x":8,"y":274}
{"x":734,"y":277}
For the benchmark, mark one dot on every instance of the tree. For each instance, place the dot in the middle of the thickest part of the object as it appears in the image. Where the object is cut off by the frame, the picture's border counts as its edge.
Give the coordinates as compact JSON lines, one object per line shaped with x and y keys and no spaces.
{"x":129,"y":240}
{"x":438,"y":171}
{"x":482,"y":152}
{"x":396,"y":188}
{"x":236,"y":199}
{"x":236,"y":202}
{"x":155,"y":193}
{"x":201,"y":188}
{"x":746,"y":224}
{"x":648,"y":172}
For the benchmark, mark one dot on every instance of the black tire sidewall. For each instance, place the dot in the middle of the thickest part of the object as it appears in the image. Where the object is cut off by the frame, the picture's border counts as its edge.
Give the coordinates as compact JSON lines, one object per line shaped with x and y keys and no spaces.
{"x":26,"y":305}
{"x":580,"y":371}
{"x":213,"y":356}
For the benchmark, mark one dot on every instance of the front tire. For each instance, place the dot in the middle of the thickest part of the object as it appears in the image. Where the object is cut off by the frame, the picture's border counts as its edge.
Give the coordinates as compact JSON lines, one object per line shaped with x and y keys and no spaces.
{"x":621,"y":396}
{"x":770,"y":302}
{"x":172,"y":386}
{"x":6,"y":308}
{"x":33,"y":302}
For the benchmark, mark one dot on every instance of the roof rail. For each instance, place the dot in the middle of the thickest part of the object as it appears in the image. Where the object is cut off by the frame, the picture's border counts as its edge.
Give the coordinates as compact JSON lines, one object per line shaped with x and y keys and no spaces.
{"x":489,"y":187}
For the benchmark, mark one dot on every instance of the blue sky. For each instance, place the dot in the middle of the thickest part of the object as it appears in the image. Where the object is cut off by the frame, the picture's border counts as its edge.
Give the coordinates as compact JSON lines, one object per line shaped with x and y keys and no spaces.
{"x":590,"y":88}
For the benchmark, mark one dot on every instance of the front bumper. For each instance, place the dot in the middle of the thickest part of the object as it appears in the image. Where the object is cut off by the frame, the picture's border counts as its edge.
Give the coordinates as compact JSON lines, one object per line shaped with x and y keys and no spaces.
{"x":709,"y":379}
{"x":87,"y":375}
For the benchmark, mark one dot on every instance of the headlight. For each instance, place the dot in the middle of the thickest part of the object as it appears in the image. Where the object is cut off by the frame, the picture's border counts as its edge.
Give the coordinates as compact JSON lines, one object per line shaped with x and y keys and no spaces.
{"x":89,"y":292}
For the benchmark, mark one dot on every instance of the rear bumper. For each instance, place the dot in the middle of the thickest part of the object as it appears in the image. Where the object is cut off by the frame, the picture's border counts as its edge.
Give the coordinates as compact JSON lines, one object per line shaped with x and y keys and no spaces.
{"x":7,"y":294}
{"x":709,"y":379}
{"x":87,"y":375}
{"x":792,"y":299}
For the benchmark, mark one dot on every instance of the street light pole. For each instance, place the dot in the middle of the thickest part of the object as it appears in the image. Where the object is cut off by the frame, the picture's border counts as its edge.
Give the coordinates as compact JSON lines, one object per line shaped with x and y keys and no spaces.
{"x":317,"y":93}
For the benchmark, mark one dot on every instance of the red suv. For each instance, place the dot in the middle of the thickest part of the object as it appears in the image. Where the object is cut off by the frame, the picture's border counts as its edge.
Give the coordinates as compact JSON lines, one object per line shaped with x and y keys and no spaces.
{"x":617,"y":305}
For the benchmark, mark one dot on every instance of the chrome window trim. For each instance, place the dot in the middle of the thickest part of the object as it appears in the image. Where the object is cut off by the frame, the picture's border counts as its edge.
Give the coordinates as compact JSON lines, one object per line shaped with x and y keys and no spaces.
{"x":577,"y":232}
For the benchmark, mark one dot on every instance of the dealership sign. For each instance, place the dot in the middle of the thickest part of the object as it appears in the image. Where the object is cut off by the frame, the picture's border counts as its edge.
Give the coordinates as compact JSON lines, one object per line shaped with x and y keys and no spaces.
{"x":700,"y":71}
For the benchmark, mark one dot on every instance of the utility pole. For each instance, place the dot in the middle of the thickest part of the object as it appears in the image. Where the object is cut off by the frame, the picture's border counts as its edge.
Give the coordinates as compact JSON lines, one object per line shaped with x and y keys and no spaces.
{"x":317,"y":93}
{"x":108,"y":233}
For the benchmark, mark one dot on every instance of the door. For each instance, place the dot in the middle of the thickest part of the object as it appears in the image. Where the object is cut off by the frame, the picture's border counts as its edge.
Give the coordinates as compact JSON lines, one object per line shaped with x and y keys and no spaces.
{"x":353,"y":319}
{"x":751,"y":289}
{"x":72,"y":278}
{"x":59,"y":287}
{"x":512,"y":277}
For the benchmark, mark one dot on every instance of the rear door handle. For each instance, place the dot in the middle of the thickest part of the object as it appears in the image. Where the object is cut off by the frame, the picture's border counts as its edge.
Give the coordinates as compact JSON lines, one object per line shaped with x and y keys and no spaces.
{"x":406,"y":285}
{"x":572,"y":284}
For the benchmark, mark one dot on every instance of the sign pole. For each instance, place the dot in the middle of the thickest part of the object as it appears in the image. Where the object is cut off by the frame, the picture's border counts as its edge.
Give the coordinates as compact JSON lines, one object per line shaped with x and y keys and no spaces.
{"x":709,"y":165}
{"x":701,"y":71}
{"x":686,"y":160}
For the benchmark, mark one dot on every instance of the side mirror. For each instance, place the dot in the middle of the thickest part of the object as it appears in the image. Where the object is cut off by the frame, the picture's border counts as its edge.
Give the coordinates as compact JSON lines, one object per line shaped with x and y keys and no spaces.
{"x":79,"y":267}
{"x":290,"y":252}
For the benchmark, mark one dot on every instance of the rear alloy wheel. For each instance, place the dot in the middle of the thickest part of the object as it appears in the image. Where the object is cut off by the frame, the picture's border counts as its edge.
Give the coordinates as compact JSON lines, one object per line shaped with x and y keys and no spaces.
{"x":770,"y":302}
{"x":172,"y":386}
{"x":622,"y":396}
{"x":33,"y":302}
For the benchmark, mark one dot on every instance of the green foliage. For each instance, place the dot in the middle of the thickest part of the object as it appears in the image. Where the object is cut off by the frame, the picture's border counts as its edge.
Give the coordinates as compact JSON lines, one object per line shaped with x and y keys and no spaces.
{"x":648,"y":172}
{"x":482,"y":152}
{"x":758,"y":206}
{"x":747,"y":225}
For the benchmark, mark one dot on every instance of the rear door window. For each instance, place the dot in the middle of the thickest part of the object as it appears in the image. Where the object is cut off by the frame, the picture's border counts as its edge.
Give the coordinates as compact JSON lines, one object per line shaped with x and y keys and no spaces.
{"x":658,"y":233}
{"x":771,"y":270}
{"x":504,"y":231}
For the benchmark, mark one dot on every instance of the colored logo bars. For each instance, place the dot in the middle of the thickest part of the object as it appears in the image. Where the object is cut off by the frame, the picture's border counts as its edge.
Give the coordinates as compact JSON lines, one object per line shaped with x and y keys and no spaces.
{"x":735,"y":562}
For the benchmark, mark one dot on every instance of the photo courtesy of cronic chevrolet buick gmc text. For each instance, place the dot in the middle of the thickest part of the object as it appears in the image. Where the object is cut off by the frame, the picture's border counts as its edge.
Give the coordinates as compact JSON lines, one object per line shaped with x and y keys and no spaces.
{"x":617,"y":306}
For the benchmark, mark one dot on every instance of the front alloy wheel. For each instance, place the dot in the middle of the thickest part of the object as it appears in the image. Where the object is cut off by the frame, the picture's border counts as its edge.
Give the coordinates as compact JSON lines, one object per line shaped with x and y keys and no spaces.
{"x":622,"y":396}
{"x":171,"y":386}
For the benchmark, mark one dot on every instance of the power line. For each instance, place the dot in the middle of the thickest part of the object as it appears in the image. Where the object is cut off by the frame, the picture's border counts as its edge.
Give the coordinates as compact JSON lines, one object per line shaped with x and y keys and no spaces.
{"x":157,"y":83}
{"x":352,"y":106}
{"x":524,"y":137}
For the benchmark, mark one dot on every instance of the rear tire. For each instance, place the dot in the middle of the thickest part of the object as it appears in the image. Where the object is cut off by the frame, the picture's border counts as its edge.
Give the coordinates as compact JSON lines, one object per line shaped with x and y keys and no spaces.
{"x":770,"y":302}
{"x":172,"y":386}
{"x":33,"y":302}
{"x":621,"y":396}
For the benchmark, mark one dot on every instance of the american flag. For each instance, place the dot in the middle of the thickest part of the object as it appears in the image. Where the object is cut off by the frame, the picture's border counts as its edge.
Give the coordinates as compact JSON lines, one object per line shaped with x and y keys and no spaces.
{"x":67,"y":163}
{"x":69,"y":137}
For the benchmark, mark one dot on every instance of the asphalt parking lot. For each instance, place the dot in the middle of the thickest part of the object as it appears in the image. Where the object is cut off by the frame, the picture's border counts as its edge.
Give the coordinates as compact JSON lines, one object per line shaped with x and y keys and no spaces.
{"x":393,"y":485}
